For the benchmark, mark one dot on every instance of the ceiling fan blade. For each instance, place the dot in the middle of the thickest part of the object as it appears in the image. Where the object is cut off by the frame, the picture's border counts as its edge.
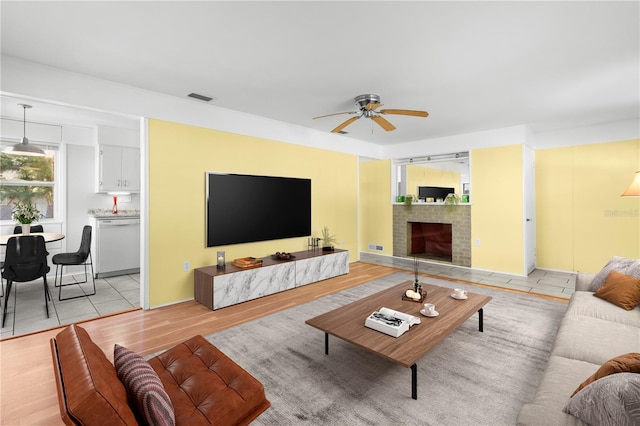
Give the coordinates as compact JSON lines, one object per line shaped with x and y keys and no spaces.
{"x":382,"y":122}
{"x":405,"y":112}
{"x":345,"y":124}
{"x":337,"y":113}
{"x":372,"y":105}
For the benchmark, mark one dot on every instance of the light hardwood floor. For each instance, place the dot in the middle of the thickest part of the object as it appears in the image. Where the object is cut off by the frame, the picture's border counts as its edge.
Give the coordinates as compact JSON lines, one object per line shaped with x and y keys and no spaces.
{"x":28,"y":392}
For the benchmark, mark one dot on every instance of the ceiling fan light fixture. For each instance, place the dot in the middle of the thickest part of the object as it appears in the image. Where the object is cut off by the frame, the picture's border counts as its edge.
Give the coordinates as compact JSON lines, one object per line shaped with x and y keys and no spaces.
{"x":24,"y":147}
{"x":368,"y":105}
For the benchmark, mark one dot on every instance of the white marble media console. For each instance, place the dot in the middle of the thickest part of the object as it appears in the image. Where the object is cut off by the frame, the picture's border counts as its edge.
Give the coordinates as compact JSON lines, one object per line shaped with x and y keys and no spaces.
{"x":217,"y":288}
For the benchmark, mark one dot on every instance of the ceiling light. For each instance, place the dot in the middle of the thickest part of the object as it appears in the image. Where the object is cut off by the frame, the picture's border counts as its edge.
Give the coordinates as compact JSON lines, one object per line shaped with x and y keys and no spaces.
{"x":634,"y":189}
{"x":24,"y":148}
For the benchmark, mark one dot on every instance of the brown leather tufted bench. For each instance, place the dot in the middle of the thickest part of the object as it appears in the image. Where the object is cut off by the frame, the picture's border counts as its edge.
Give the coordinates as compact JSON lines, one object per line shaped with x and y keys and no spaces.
{"x":204,"y":385}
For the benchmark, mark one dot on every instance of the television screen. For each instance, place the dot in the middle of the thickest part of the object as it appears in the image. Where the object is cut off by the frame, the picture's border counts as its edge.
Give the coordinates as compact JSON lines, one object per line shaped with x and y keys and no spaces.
{"x":246,"y":208}
{"x":434,"y":192}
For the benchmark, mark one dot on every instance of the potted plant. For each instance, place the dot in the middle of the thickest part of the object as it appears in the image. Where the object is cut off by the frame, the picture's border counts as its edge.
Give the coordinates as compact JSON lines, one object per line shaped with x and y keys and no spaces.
{"x":25,"y":213}
{"x":327,"y":240}
{"x":452,"y":199}
{"x":408,"y":200}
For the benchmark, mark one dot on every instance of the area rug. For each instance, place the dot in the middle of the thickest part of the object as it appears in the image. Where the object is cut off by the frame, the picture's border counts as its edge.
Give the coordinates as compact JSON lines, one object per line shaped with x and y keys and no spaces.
{"x":470,"y":378}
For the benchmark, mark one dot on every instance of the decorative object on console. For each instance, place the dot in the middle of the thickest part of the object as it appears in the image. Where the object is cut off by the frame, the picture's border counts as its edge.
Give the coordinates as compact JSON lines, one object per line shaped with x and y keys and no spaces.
{"x":313,"y":242}
{"x":220,"y":260}
{"x":114,"y":210}
{"x":327,"y":240}
{"x":247,"y":262}
{"x":283,"y":256}
{"x":634,"y":189}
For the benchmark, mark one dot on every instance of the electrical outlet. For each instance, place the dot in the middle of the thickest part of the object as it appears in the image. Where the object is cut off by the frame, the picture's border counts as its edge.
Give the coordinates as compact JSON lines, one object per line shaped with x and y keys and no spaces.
{"x":477,"y":241}
{"x":186,"y":266}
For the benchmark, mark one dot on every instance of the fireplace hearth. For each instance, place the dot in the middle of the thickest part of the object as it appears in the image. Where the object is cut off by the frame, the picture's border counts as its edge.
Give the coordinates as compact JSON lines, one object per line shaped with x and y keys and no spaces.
{"x":430,"y":241}
{"x":454,"y":249}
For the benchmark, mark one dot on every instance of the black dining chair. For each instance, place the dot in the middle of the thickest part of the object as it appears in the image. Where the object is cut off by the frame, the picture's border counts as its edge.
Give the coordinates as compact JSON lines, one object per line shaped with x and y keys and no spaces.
{"x":17,"y":230}
{"x":25,"y":260}
{"x":34,"y":228}
{"x":80,"y":257}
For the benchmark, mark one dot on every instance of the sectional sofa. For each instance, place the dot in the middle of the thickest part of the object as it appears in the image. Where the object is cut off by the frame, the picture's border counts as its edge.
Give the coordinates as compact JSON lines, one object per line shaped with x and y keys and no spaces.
{"x":592,"y":332}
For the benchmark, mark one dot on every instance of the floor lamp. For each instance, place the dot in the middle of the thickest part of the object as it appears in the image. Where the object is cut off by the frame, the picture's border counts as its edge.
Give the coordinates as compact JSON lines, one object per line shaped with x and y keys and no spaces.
{"x":634,"y":189}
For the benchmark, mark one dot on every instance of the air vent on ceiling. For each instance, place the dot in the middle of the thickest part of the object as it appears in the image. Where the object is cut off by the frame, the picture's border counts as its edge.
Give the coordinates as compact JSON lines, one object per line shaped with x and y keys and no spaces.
{"x":200,"y":97}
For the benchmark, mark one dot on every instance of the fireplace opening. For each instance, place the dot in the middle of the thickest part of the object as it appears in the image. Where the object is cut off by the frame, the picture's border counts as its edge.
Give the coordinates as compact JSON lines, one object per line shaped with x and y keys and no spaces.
{"x":430,"y":241}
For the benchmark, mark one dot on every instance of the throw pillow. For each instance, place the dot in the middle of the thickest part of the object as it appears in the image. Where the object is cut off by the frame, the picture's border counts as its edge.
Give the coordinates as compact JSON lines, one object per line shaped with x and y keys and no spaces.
{"x":619,"y":264}
{"x":612,"y":400}
{"x":621,"y":290}
{"x":627,"y":363}
{"x":144,"y":387}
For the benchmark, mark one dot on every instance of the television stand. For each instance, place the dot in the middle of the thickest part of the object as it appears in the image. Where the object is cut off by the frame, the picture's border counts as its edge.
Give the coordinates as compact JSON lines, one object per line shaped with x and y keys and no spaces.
{"x":218,"y":288}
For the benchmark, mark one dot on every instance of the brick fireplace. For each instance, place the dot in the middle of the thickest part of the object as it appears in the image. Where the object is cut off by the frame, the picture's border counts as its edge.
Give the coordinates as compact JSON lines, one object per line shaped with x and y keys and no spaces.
{"x":436,"y":232}
{"x":430,"y":240}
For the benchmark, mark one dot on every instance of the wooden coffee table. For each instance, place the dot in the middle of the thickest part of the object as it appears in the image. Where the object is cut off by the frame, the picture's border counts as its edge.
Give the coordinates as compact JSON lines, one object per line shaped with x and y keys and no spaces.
{"x":347,"y":323}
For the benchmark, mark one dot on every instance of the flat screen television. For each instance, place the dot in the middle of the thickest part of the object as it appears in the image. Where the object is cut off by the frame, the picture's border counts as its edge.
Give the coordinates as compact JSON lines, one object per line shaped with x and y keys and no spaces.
{"x":247,"y":208}
{"x":434,"y":192}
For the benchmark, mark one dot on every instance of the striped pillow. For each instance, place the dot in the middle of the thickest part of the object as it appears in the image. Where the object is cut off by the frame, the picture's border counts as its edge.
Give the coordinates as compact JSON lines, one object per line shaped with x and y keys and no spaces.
{"x":143,"y":387}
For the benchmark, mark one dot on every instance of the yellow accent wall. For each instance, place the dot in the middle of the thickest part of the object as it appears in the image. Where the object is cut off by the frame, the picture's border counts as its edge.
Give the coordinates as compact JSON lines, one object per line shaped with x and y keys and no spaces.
{"x":582,"y":220}
{"x":376,"y":210}
{"x":427,"y":176}
{"x":179,"y":156}
{"x":497,"y":209}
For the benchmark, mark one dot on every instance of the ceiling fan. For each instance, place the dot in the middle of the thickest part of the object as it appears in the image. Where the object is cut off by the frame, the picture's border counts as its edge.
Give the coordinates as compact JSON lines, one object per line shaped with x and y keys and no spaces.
{"x":367,"y":108}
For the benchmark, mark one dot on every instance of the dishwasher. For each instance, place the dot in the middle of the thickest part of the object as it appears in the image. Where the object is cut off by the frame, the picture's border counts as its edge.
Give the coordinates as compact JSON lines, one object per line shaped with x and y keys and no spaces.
{"x":117,"y":247}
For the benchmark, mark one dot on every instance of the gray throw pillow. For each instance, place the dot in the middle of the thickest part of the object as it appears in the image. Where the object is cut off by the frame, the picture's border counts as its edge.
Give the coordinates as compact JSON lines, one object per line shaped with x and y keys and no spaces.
{"x":612,"y":400}
{"x":623,"y":265}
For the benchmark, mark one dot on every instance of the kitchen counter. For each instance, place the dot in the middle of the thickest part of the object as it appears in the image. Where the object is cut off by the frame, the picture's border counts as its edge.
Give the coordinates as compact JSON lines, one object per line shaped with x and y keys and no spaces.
{"x":107,"y":214}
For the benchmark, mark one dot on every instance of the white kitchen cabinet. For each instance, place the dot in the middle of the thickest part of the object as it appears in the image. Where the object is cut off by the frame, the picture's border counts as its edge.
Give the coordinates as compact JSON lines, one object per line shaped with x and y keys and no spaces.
{"x":118,"y":169}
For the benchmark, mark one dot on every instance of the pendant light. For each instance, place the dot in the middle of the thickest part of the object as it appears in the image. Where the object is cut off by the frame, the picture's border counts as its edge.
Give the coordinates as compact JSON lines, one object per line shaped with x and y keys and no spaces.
{"x":24,"y":148}
{"x":634,"y":188}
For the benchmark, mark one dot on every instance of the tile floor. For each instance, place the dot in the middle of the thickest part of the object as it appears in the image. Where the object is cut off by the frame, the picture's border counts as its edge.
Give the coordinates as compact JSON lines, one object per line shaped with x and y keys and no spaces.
{"x":113,"y":294}
{"x":116,"y":294}
{"x":552,"y":283}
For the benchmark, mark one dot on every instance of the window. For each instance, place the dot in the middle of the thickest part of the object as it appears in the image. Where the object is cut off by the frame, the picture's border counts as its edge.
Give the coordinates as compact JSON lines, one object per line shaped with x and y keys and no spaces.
{"x":28,"y":178}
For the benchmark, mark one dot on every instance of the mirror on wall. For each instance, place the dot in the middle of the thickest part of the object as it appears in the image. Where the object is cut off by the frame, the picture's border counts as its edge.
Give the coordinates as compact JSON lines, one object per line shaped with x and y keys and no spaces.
{"x":430,"y":178}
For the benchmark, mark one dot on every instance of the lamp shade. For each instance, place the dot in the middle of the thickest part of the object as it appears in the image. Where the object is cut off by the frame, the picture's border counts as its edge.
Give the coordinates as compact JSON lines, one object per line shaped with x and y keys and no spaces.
{"x":634,"y":189}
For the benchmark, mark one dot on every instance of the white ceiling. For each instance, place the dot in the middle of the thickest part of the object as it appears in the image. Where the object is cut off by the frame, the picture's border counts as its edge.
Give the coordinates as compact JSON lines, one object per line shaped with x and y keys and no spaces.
{"x":473,"y":65}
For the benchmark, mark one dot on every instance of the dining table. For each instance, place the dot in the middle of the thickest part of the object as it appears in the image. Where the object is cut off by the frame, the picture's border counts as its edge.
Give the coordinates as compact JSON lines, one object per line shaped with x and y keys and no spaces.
{"x":48,"y":237}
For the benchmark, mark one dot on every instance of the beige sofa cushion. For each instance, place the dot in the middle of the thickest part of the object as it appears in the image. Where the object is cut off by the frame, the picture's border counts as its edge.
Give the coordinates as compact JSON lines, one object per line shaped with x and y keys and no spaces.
{"x":594,"y":340}
{"x":559,"y":380}
{"x":584,"y":303}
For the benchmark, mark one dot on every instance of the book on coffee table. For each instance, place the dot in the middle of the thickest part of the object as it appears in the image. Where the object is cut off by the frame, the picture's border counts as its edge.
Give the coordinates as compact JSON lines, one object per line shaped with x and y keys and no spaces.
{"x":391,"y":322}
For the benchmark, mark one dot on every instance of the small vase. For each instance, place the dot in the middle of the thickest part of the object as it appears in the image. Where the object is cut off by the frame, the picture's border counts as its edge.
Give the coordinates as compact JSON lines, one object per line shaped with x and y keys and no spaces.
{"x":26,"y":228}
{"x":114,"y":210}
